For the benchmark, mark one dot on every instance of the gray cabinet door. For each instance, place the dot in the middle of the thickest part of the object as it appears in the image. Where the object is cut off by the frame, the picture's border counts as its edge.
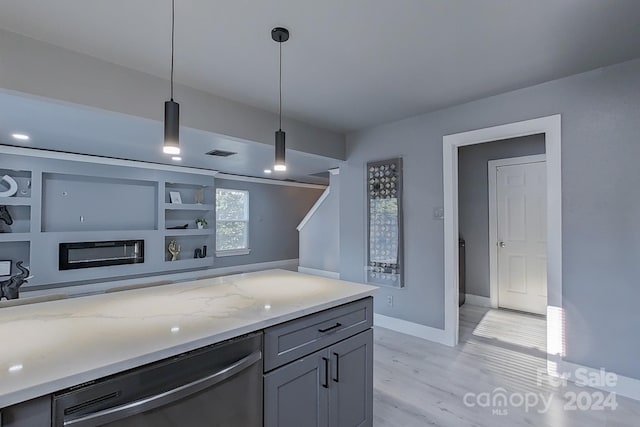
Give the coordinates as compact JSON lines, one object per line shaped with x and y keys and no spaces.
{"x":35,"y":412}
{"x":351,"y":385}
{"x":296,"y":395}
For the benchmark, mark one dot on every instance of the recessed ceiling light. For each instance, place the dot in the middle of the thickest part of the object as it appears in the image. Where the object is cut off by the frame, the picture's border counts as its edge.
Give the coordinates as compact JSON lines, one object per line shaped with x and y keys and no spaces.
{"x":176,"y":158}
{"x":21,"y":136}
{"x":280,"y":168}
{"x":15,"y":368}
{"x":267,"y":171}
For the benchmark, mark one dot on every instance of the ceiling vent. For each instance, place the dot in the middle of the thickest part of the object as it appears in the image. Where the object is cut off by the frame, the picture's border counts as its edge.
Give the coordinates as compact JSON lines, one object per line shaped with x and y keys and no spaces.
{"x":221,"y":153}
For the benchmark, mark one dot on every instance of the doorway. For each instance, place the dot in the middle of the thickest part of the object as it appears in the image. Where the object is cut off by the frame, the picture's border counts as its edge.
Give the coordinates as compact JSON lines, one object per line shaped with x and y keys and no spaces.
{"x":551,"y":128}
{"x":518,"y":233}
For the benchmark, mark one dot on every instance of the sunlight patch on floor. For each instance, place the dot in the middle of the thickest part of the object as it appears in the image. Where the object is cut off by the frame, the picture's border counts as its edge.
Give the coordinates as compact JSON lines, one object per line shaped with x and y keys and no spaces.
{"x":513,"y":328}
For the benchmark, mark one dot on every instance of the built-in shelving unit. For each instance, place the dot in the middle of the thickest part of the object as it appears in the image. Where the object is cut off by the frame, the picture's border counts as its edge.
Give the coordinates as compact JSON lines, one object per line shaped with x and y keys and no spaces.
{"x":15,"y":237}
{"x":197,"y":202}
{"x":194,"y":232}
{"x":191,"y":263}
{"x":15,"y":201}
{"x":188,"y":207}
{"x":66,"y":201}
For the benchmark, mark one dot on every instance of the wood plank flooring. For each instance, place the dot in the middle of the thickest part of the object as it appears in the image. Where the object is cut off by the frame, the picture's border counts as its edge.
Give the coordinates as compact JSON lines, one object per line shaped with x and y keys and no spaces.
{"x":420,"y":383}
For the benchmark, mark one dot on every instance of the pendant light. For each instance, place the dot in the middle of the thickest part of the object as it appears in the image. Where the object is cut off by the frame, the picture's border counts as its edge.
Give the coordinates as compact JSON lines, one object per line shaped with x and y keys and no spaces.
{"x":280,"y":35}
{"x":172,"y":108}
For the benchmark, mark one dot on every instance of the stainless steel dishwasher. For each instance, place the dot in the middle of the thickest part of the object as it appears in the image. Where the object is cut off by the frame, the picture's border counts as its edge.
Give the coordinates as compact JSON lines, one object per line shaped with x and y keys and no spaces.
{"x":220,"y":385}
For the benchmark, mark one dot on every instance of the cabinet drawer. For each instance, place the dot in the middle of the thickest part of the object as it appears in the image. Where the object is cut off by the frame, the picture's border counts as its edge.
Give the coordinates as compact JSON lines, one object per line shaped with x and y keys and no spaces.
{"x":289,"y":341}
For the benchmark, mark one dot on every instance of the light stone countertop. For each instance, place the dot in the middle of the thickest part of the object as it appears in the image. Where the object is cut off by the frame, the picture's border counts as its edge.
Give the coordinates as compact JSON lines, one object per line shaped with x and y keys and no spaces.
{"x":50,"y":346}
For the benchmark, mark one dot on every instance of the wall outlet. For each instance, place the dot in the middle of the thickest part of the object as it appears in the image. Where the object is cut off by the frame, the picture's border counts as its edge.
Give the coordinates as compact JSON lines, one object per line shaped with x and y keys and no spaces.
{"x":390,"y":300}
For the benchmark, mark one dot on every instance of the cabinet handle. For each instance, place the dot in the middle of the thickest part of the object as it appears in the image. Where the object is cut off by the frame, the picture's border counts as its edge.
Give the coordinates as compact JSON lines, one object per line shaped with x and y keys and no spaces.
{"x":336,"y":377}
{"x":326,"y":372}
{"x":337,"y":325}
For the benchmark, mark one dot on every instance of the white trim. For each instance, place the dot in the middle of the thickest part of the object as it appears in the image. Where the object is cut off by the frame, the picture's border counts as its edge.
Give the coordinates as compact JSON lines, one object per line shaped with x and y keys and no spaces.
{"x":97,"y":288}
{"x":317,"y":272}
{"x":335,"y":171}
{"x":410,"y":328}
{"x":625,"y":386}
{"x":477,"y":300}
{"x":232,"y":177}
{"x":314,"y":208}
{"x":87,"y":158}
{"x":492,"y":172}
{"x":232,"y":252}
{"x":551,"y":127}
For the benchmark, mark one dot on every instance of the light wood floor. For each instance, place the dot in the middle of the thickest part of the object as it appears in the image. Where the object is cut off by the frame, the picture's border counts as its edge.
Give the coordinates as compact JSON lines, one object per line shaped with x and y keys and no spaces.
{"x":419,"y":383}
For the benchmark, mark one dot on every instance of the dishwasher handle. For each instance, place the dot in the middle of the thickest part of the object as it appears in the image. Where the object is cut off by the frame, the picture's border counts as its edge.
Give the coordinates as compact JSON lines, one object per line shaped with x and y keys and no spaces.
{"x":165,"y":398}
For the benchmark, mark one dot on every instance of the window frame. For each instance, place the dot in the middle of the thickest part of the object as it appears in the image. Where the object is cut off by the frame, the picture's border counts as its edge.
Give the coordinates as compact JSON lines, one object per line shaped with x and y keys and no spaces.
{"x":239,"y":251}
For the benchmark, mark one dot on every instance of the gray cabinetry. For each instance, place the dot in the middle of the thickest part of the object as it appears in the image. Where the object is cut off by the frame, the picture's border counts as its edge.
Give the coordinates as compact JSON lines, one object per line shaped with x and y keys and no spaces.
{"x":329,"y":387}
{"x":294,"y":395}
{"x":351,"y":385}
{"x":32,"y":413}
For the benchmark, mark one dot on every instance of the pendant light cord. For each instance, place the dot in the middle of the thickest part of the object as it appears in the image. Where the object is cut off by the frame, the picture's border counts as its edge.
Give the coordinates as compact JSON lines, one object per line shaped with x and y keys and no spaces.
{"x":280,"y":85}
{"x":173,"y":24}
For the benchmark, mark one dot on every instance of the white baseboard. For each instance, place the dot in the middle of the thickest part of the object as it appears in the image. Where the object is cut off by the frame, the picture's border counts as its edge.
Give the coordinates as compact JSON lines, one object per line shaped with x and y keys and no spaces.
{"x":96,"y":288}
{"x":410,"y":328}
{"x":477,"y":300}
{"x":317,"y":272}
{"x":625,"y":386}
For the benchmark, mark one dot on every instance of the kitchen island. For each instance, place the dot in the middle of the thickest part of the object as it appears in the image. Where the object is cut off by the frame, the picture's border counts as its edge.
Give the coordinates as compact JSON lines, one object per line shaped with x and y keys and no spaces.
{"x":52,"y":346}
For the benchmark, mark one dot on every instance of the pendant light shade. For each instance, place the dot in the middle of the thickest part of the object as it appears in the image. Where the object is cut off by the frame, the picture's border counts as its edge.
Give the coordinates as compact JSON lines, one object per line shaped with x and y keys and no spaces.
{"x":280,"y":164}
{"x":172,"y":108}
{"x":280,"y":35}
{"x":171,"y":127}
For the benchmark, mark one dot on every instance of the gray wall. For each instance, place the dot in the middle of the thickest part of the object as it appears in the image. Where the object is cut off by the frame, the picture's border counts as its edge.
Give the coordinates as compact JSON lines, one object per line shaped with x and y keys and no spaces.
{"x":320,"y":237}
{"x":274,"y":213}
{"x":600,"y":234}
{"x":33,"y":67}
{"x":473,"y":201}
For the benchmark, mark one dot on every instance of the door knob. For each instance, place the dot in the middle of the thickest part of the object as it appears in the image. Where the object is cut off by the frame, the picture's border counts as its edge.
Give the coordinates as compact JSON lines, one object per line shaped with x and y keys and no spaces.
{"x":502,"y":244}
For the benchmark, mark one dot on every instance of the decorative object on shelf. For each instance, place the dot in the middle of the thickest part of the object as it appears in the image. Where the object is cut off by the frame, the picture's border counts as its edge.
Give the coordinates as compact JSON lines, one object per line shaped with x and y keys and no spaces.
{"x":200,"y":253}
{"x":174,"y":250}
{"x":26,"y":191}
{"x":172,"y":108}
{"x":5,"y":268}
{"x":280,"y":35}
{"x":175,"y":197}
{"x":5,"y":216}
{"x":384,"y":222}
{"x":13,"y":186}
{"x":179,"y":227}
{"x":10,"y":289}
{"x":199,"y":196}
{"x":201,"y":223}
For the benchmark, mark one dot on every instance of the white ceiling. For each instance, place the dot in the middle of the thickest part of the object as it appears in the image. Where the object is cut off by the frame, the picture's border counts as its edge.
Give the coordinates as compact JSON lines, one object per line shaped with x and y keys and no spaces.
{"x":350,"y":63}
{"x":76,"y":129}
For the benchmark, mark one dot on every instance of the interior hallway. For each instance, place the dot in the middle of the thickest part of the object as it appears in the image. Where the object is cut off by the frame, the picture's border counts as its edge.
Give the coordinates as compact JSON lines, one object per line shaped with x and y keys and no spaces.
{"x":420,"y":383}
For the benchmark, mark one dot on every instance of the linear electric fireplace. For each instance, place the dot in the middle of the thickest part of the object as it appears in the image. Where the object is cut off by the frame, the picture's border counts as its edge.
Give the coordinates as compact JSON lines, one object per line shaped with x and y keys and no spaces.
{"x":100,"y":254}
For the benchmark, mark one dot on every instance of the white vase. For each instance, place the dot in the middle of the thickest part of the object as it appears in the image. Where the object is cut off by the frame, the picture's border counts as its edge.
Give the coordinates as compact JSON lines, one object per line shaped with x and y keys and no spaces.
{"x":200,"y":226}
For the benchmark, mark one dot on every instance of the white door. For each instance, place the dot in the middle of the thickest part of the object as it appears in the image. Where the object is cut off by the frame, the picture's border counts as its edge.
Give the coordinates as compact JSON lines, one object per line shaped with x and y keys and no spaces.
{"x":522,"y":237}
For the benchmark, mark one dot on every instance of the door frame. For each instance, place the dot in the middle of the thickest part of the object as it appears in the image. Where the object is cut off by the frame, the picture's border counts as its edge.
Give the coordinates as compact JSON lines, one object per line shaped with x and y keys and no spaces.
{"x":492,"y":172}
{"x":551,"y":127}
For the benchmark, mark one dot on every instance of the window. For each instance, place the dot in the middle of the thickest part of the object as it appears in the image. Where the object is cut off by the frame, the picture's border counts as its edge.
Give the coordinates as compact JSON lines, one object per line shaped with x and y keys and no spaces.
{"x":232,"y":222}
